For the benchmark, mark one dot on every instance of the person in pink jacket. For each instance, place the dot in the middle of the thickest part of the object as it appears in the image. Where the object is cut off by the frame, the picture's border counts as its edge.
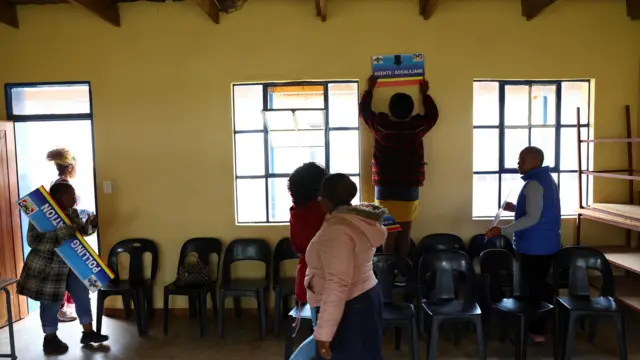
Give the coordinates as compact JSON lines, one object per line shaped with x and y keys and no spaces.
{"x":339,"y":280}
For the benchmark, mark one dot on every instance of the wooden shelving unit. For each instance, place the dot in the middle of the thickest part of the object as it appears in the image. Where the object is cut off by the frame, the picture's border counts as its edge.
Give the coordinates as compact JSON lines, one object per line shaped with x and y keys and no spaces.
{"x":626,"y":216}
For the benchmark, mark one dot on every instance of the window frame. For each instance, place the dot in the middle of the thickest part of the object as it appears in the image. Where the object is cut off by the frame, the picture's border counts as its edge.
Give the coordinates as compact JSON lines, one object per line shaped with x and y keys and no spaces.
{"x":558,"y":126}
{"x":8,"y":87}
{"x":267,"y":101}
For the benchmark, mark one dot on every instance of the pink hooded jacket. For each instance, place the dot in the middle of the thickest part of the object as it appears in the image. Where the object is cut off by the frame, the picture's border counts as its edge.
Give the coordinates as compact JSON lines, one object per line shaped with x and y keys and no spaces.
{"x":339,"y":260}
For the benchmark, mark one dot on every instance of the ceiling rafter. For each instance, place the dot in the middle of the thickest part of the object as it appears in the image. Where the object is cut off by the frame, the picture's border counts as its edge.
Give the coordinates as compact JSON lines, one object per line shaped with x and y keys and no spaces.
{"x":321,"y":9}
{"x":633,"y":9}
{"x":532,"y":8}
{"x":428,"y":7}
{"x":210,"y":7}
{"x":9,"y":14}
{"x":105,"y":9}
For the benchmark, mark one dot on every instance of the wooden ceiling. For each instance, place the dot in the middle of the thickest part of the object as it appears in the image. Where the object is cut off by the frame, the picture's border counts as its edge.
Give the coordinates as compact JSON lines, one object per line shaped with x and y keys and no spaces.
{"x":108,"y":9}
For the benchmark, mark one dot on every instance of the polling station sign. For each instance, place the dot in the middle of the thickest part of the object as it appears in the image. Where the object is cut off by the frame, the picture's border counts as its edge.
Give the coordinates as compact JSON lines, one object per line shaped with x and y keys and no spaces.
{"x":390,"y":224}
{"x":46,"y":216}
{"x":398,"y":70}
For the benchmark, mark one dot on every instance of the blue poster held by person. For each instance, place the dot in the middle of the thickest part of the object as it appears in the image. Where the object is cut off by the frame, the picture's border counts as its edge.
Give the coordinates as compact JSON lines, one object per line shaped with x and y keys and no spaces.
{"x":46,"y":216}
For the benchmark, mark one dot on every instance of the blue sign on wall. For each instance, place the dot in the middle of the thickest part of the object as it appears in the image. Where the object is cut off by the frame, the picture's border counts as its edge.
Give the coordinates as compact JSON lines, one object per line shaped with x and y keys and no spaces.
{"x":45,"y":215}
{"x":398,"y":70}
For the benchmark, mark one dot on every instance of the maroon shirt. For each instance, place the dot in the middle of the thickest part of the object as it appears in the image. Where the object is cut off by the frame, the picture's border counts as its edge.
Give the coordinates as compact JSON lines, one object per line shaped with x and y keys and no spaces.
{"x":398,"y":152}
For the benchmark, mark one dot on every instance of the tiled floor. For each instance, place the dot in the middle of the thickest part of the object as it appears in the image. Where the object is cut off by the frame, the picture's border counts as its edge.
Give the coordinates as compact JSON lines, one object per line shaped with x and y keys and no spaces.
{"x":241,"y":342}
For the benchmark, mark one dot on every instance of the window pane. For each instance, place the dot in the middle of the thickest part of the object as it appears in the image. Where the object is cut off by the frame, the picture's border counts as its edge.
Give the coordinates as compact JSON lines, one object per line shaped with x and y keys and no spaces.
{"x":485,"y":195}
{"x":344,"y":152}
{"x":486,"y":148}
{"x":279,"y":199}
{"x":486,"y":103}
{"x":569,"y":192}
{"x":251,"y":203}
{"x":356,"y":179}
{"x":285,"y":160}
{"x":343,"y":105}
{"x":247,"y":107}
{"x":575,"y":95}
{"x":543,"y":105}
{"x":294,"y":120}
{"x":569,"y":148}
{"x":510,"y":187}
{"x":516,"y":105}
{"x":249,"y":154}
{"x":304,"y":138}
{"x":51,"y":99}
{"x":545,"y":139}
{"x":296,"y":97}
{"x":514,"y":141}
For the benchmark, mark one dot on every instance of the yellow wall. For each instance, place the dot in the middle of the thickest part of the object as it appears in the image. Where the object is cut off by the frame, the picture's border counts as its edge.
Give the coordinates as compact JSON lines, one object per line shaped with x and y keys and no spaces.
{"x":161,"y":91}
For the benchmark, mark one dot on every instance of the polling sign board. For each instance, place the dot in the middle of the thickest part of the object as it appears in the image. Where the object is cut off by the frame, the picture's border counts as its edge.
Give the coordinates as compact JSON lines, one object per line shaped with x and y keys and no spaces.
{"x":398,"y":70}
{"x":46,"y":216}
{"x":390,"y":224}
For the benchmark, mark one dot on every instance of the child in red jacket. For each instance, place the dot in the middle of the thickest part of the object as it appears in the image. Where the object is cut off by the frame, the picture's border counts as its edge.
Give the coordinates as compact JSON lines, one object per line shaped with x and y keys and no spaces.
{"x":306,"y":218}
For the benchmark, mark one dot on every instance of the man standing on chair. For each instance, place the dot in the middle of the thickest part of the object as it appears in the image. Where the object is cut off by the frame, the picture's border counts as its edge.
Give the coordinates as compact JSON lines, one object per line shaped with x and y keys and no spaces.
{"x":536,"y":230}
{"x":398,"y":159}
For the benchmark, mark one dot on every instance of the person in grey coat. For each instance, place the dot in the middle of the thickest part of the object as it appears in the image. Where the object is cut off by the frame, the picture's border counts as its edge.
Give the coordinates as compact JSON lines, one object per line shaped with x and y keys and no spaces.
{"x":45,"y":276}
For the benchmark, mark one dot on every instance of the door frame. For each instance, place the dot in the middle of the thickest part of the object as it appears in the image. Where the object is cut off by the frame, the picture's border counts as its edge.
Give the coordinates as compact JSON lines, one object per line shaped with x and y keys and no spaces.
{"x":14,"y":258}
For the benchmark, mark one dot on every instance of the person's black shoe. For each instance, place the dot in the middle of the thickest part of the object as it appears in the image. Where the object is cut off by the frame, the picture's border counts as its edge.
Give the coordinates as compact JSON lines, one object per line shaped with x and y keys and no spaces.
{"x":52,"y":345}
{"x":92,"y":337}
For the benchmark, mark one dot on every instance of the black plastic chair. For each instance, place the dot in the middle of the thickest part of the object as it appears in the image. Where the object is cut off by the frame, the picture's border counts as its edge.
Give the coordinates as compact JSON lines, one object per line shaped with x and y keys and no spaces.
{"x":500,"y":272}
{"x":204,"y":247}
{"x":400,"y":315}
{"x":136,"y":288}
{"x":283,"y":288}
{"x":440,"y":241}
{"x":443,"y":305}
{"x":245,"y":250}
{"x":479,"y":243}
{"x":577,"y":261}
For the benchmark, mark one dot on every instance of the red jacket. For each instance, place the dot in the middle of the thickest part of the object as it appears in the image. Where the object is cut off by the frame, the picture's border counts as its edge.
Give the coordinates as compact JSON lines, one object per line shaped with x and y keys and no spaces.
{"x":304,"y":223}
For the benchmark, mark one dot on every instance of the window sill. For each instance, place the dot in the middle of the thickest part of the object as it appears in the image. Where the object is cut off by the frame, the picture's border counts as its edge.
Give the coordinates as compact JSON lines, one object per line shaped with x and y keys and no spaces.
{"x":284,"y":223}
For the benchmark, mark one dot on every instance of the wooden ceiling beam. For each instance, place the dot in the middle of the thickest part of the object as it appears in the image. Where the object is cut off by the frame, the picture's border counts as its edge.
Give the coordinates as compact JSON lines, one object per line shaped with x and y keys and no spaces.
{"x":321,"y":10}
{"x":428,"y":7}
{"x":533,"y":8}
{"x":633,"y":9}
{"x":106,"y":9}
{"x":210,"y":7}
{"x":9,"y":14}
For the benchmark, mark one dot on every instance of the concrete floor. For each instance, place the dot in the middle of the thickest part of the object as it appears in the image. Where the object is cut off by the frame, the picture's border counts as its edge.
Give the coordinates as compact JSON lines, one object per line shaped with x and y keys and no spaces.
{"x":242,"y":342}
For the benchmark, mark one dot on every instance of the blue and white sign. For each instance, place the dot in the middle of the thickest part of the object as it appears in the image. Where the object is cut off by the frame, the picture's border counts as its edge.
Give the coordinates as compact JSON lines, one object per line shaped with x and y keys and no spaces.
{"x":397,"y":70}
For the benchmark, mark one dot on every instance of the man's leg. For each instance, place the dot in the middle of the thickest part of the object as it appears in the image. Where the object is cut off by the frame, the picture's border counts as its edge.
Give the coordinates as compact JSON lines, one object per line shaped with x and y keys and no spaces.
{"x":534,"y":271}
{"x":80,"y":294}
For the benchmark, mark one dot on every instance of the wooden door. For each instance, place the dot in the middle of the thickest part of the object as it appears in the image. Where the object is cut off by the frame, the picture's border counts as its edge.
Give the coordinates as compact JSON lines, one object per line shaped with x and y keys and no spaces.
{"x":11,"y":258}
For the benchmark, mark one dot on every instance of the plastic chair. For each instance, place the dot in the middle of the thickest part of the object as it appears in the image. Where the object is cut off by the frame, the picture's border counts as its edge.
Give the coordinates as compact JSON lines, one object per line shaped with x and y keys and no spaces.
{"x":245,"y":250}
{"x":440,"y":241}
{"x":399,"y":315}
{"x":500,"y":270}
{"x":577,"y":261}
{"x":204,"y":247}
{"x":283,"y":288}
{"x":479,"y":243}
{"x":443,"y":306}
{"x":136,"y":288}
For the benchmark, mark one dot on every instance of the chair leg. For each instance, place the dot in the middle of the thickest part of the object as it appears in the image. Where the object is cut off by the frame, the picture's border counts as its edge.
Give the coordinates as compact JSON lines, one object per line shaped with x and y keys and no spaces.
{"x":571,"y":330}
{"x":504,"y":322}
{"x":214,"y":301}
{"x":193,"y":306}
{"x":126,"y":305}
{"x":237,"y":308}
{"x":433,"y":338}
{"x":621,"y":335}
{"x":165,"y":307}
{"x":138,"y":311}
{"x":278,"y":312}
{"x":457,"y":334}
{"x":148,"y":297}
{"x":397,"y":332}
{"x":521,"y":338}
{"x":99,"y":312}
{"x":592,"y":326}
{"x":221,"y":314}
{"x":482,"y":350}
{"x":262,"y":309}
{"x":288,"y":339}
{"x":202,"y":311}
{"x":415,"y":344}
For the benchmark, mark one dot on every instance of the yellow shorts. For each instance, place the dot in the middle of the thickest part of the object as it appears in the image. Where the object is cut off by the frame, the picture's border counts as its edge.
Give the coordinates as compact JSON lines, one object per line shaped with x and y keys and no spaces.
{"x":401,"y":211}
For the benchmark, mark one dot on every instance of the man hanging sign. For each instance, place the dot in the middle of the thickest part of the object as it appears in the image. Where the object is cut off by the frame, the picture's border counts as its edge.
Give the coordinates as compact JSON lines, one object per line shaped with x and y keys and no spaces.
{"x":398,"y":70}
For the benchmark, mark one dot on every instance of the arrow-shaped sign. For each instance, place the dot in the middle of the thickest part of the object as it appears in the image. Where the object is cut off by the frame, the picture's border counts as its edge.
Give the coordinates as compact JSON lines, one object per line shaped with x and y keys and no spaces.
{"x":397,"y":60}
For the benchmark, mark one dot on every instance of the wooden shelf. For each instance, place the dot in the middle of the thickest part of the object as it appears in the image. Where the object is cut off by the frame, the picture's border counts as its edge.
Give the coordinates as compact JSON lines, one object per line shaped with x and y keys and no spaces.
{"x":626,"y":288}
{"x":620,"y":215}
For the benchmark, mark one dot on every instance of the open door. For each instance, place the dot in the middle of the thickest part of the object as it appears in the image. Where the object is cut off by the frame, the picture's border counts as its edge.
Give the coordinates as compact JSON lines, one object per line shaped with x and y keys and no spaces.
{"x":11,"y":257}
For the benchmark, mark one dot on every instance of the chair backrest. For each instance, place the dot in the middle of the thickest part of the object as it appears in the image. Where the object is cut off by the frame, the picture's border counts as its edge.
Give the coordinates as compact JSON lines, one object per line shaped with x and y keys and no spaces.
{"x":499,"y":269}
{"x":385,"y":267}
{"x":577,"y":260}
{"x":442,"y":241}
{"x":480,"y":243}
{"x":443,"y":264}
{"x":204,"y":247}
{"x":246,"y":250}
{"x":136,"y":248}
{"x":282,"y":252}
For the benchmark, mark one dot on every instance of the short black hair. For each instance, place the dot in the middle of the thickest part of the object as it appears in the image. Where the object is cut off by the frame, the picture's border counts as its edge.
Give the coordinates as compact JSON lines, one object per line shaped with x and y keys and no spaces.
{"x":401,"y":106}
{"x":304,"y":183}
{"x":60,"y":189}
{"x":339,"y":189}
{"x":535,"y":151}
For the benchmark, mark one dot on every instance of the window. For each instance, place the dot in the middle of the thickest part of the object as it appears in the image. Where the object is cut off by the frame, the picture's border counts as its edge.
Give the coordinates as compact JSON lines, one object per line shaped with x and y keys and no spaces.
{"x":510,"y":115}
{"x":280,"y":126}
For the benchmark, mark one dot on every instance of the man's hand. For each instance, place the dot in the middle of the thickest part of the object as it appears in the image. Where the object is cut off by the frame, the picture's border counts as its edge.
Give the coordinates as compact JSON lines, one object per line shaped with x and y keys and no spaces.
{"x":372,"y":82}
{"x":494,"y":232}
{"x":424,"y":86}
{"x":323,"y":349}
{"x":510,"y":207}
